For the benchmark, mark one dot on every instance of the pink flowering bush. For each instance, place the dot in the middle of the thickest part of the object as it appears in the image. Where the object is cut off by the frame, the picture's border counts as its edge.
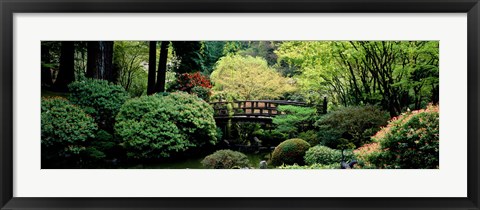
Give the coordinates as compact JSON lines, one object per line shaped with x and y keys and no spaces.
{"x":410,"y":140}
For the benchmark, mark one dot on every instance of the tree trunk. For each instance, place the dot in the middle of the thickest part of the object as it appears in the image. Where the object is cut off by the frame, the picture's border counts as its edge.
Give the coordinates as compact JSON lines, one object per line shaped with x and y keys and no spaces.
{"x":46,"y":74}
{"x":152,"y":59}
{"x":100,"y":61}
{"x":66,"y":73}
{"x":92,"y":54}
{"x":162,"y":68}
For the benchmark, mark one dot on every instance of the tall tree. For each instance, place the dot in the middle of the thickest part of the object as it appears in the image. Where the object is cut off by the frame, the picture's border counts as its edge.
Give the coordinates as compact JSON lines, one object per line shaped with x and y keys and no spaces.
{"x":189,"y":53}
{"x":100,"y":61}
{"x":46,"y":74}
{"x":162,"y":67}
{"x":130,"y":57}
{"x":151,"y":67}
{"x":66,"y":73}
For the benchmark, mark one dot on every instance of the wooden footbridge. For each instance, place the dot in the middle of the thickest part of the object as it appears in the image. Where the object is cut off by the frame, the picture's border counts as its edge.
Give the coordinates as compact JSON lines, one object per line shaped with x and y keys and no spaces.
{"x":249,"y":110}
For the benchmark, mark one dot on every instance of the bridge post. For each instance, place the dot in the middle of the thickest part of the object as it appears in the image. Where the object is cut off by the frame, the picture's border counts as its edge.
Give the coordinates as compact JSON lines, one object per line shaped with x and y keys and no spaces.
{"x":325,"y":104}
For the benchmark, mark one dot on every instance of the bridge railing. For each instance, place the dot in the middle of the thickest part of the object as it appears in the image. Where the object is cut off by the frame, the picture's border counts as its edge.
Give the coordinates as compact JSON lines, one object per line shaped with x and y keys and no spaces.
{"x":251,"y":108}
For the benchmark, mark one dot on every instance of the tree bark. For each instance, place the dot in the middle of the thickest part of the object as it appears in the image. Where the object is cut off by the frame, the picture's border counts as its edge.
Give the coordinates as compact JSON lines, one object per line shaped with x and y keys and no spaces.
{"x":66,"y":73}
{"x":92,"y":54}
{"x":152,"y":59}
{"x":46,"y":74}
{"x":100,"y":61}
{"x":162,"y":68}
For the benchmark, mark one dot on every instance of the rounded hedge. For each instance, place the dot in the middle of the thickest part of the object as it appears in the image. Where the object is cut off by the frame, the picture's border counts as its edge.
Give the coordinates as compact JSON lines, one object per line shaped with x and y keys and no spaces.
{"x":323,"y":155}
{"x":225,"y":159}
{"x":290,"y":152}
{"x":65,"y":127}
{"x":410,"y":140}
{"x":158,"y":125}
{"x":99,"y":98}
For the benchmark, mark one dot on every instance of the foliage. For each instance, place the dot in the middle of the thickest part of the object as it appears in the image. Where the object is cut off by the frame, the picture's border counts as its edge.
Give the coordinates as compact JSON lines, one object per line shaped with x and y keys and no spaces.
{"x":102,"y":147}
{"x":189,"y":55}
{"x":130,"y":57}
{"x":187,"y":81}
{"x":201,"y":92}
{"x":211,"y":51}
{"x":249,"y":78}
{"x":225,"y":159}
{"x":294,"y":119}
{"x":268,"y":137}
{"x":313,"y":166}
{"x":65,"y":128}
{"x":350,"y":127}
{"x":411,"y":140}
{"x":289,"y":152}
{"x":158,"y":125}
{"x":311,"y":136}
{"x":394,"y":74}
{"x":244,"y":133}
{"x":368,"y":155}
{"x":100,"y":99}
{"x":325,"y":155}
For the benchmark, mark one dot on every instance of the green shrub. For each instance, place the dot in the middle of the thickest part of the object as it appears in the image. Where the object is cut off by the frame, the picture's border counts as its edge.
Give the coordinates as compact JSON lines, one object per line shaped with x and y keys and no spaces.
{"x":201,"y":92}
{"x":310,"y":136}
{"x":102,"y":146}
{"x":314,"y":166}
{"x":158,"y":125}
{"x":99,"y":98}
{"x":325,"y":155}
{"x":350,"y":126}
{"x":294,"y":120}
{"x":290,"y":152}
{"x":368,"y":155}
{"x":411,"y":140}
{"x":65,"y":128}
{"x":225,"y":159}
{"x":268,"y":137}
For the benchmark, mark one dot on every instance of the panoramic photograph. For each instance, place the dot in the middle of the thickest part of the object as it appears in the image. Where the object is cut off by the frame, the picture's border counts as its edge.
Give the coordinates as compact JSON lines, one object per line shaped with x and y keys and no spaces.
{"x":240,"y":105}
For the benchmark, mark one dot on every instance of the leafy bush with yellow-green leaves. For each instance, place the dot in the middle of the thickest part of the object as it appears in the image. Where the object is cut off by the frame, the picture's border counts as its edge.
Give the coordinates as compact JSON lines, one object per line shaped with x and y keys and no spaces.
{"x":159,"y":125}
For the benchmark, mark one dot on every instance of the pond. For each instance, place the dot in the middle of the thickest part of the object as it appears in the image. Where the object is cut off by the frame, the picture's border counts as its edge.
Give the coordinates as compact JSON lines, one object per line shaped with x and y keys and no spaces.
{"x":194,"y":163}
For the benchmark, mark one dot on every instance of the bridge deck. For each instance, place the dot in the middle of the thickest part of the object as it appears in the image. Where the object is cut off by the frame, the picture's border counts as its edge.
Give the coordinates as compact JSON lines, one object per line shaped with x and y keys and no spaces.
{"x":250,"y":110}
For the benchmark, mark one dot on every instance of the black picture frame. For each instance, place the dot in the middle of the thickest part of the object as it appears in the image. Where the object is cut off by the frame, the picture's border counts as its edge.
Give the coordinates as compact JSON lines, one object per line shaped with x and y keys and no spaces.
{"x":10,"y":7}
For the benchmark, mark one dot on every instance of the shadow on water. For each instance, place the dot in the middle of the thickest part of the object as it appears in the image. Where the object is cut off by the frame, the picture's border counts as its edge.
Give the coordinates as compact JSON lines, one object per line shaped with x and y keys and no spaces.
{"x":193,"y":163}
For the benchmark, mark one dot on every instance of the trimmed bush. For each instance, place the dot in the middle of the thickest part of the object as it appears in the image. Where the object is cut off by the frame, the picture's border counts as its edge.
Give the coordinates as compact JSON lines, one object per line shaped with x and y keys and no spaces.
{"x":158,"y":125}
{"x":99,"y":98}
{"x":225,"y":159}
{"x":325,"y":155}
{"x":411,"y":140}
{"x":290,"y":152}
{"x":65,"y":128}
{"x":350,"y":127}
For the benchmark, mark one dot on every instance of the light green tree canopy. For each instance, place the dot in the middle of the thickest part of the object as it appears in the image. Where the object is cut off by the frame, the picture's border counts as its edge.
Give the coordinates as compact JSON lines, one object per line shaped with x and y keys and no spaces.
{"x":247,"y":77}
